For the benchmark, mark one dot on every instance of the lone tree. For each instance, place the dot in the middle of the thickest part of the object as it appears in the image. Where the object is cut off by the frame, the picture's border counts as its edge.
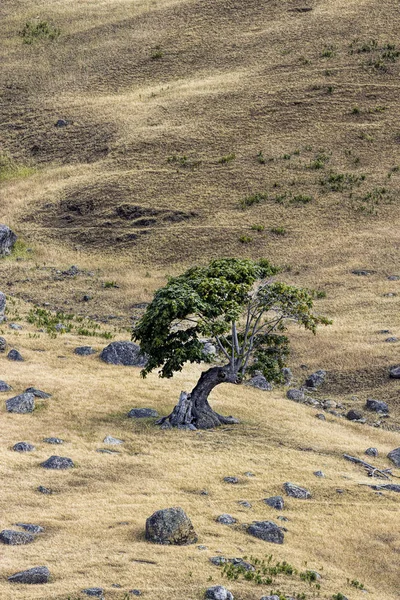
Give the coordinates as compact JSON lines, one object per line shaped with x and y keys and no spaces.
{"x":238,"y":304}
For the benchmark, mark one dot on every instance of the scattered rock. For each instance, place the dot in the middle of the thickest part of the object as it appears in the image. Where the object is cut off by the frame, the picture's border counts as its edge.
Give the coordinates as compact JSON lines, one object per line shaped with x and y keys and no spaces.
{"x":30,"y":527}
{"x":23,"y":447}
{"x":249,"y":474}
{"x":394,"y":456}
{"x":3,"y":302}
{"x":267,"y":531}
{"x":244,"y":503}
{"x":7,"y":240}
{"x":377,"y":405}
{"x":296,"y":395}
{"x":371,"y":452}
{"x":218,"y":592}
{"x":37,"y":393}
{"x":62,"y":123}
{"x":72,"y":271}
{"x":57,"y":462}
{"x":15,"y":326}
{"x":170,"y":526}
{"x":22,"y":404}
{"x":44,"y":490}
{"x":282,"y":518}
{"x":112,"y":440}
{"x":394,"y":278}
{"x":231,"y":479}
{"x":86,"y":298}
{"x":392,"y":340}
{"x":319,"y":474}
{"x":53,"y":440}
{"x":221,"y":560}
{"x":287,"y":375}
{"x":15,"y":538}
{"x":94,"y":591}
{"x":394,"y":372}
{"x":226,"y":519}
{"x":31,"y":576}
{"x":104,"y":451}
{"x":259,"y":382}
{"x":273,"y":597}
{"x":354,"y":415}
{"x":123,"y":353}
{"x":135,"y":592}
{"x":275,"y":502}
{"x":3,"y":343}
{"x":142,"y":413}
{"x":362,"y":272}
{"x":15,"y":355}
{"x":84,"y":351}
{"x":295,"y":491}
{"x":391,"y":487}
{"x":316,"y":379}
{"x":321,"y":416}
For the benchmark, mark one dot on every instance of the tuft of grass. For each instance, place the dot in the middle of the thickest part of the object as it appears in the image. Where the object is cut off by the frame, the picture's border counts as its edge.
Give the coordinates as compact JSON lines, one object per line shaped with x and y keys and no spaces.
{"x":261,"y":158}
{"x":10,"y":170}
{"x":329,"y":51}
{"x":226,"y":159}
{"x":245,"y":239}
{"x":183,"y":161}
{"x":257,"y":227}
{"x":339,"y":182}
{"x":157,"y":53}
{"x":278,"y":230}
{"x":41,"y":30}
{"x":253,"y":199}
{"x":319,"y":161}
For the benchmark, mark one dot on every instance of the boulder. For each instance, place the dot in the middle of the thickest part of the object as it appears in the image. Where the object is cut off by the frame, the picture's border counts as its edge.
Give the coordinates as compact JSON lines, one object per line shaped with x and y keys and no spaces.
{"x":84,"y":351}
{"x":394,"y":372}
{"x":231,"y":480}
{"x":267,"y":531}
{"x":112,"y":440}
{"x":123,"y":353}
{"x":37,"y":393}
{"x":57,"y":462}
{"x":7,"y":240}
{"x":23,"y":447}
{"x":371,"y":452}
{"x":15,"y":355}
{"x":30,"y":527}
{"x":209,"y":349}
{"x":218,"y":592}
{"x":142,"y":413}
{"x":319,"y":474}
{"x":316,"y":379}
{"x":44,"y":490}
{"x":258,"y":381}
{"x":4,"y":387}
{"x":3,"y":343}
{"x":170,"y":526}
{"x":376,"y":405}
{"x":295,"y":491}
{"x":226,"y":519}
{"x":275,"y":502}
{"x":24,"y":403}
{"x":31,"y":576}
{"x":53,"y":440}
{"x":394,"y":456}
{"x":15,"y":538}
{"x":296,"y":395}
{"x":96,"y":592}
{"x":354,"y":415}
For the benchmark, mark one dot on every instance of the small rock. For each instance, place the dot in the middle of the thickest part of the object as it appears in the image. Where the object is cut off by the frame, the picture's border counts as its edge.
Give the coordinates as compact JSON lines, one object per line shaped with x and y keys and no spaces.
{"x":84,"y":351}
{"x":112,"y":440}
{"x":329,"y":404}
{"x":392,"y":340}
{"x":295,"y":491}
{"x":259,"y":382}
{"x":86,"y":298}
{"x":44,"y":490}
{"x":7,"y":240}
{"x":282,"y":518}
{"x":218,"y":592}
{"x":15,"y":538}
{"x":31,"y":576}
{"x":267,"y":531}
{"x":321,"y":417}
{"x":94,"y":591}
{"x":23,"y":447}
{"x":15,"y":355}
{"x":273,"y":597}
{"x":3,"y":303}
{"x":377,"y":405}
{"x":142,"y":413}
{"x":296,"y":395}
{"x":105,"y":451}
{"x":30,"y":527}
{"x":394,"y":278}
{"x":394,"y":372}
{"x":276,"y":502}
{"x":319,"y":474}
{"x":135,"y":592}
{"x":371,"y":452}
{"x":209,"y":349}
{"x":123,"y":353}
{"x":15,"y":326}
{"x":53,"y":440}
{"x":231,"y":479}
{"x":57,"y":462}
{"x":202,"y":547}
{"x":249,"y":474}
{"x":354,"y":415}
{"x":37,"y":393}
{"x":362,"y":272}
{"x":287,"y":375}
{"x":22,"y":404}
{"x":316,"y":379}
{"x":3,"y":344}
{"x":72,"y":271}
{"x":116,"y":585}
{"x":62,"y":123}
{"x":226,"y":519}
{"x":394,"y":456}
{"x":170,"y":526}
{"x":244,"y":503}
{"x":390,"y":295}
{"x":339,"y":491}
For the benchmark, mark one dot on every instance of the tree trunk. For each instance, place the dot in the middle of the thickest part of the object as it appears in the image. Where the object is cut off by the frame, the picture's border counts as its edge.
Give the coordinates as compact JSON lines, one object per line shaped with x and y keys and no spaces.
{"x":193,"y":410}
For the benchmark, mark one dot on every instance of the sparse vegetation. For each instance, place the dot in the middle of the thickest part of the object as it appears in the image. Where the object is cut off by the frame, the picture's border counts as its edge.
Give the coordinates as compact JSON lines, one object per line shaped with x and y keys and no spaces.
{"x":228,"y":158}
{"x":257,"y":227}
{"x":278,"y":230}
{"x":34,"y":31}
{"x":61,"y":323}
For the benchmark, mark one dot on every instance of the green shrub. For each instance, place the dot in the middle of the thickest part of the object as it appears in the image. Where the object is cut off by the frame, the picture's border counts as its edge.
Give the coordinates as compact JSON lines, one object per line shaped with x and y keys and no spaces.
{"x":41,"y":30}
{"x":278,"y":230}
{"x":245,"y":239}
{"x":226,"y":159}
{"x":257,"y":227}
{"x":253,"y":199}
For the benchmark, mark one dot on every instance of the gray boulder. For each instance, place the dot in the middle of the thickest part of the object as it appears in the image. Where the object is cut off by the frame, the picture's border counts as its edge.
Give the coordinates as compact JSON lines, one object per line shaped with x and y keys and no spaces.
{"x":84,"y":351}
{"x":24,"y":403}
{"x":394,"y":456}
{"x":44,"y":490}
{"x":3,"y":343}
{"x":319,"y":474}
{"x":354,"y":415}
{"x":226,"y":519}
{"x":267,"y":531}
{"x":377,"y":405}
{"x":123,"y":353}
{"x":37,"y":393}
{"x":31,"y":576}
{"x":295,"y":491}
{"x":316,"y":379}
{"x":170,"y":526}
{"x":7,"y":240}
{"x":371,"y":452}
{"x":275,"y":502}
{"x":96,"y":592}
{"x":258,"y":381}
{"x":4,"y":387}
{"x":15,"y":355}
{"x":296,"y":395}
{"x":15,"y":326}
{"x":112,"y":440}
{"x":209,"y":349}
{"x":142,"y":413}
{"x":394,"y":372}
{"x":23,"y":447}
{"x":229,"y":479}
{"x":53,"y":440}
{"x":15,"y":538}
{"x":218,"y":592}
{"x":30,"y":527}
{"x":57,"y":462}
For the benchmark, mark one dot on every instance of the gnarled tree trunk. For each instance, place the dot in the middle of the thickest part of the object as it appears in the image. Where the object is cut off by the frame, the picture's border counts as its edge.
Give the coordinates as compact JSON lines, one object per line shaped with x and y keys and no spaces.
{"x":193,"y":410}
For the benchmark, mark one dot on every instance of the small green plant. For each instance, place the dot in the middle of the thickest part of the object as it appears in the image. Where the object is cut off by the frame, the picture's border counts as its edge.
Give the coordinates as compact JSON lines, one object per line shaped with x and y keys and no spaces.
{"x":319,"y":161}
{"x":183,"y":161}
{"x":261,"y":158}
{"x":357,"y":584}
{"x":226,"y":159}
{"x":278,"y":230}
{"x":356,"y":110}
{"x":54,"y":323}
{"x":157,"y":53}
{"x":41,"y":30}
{"x":110,"y":284}
{"x":245,"y":239}
{"x":257,"y":227}
{"x":339,"y":182}
{"x":329,"y":51}
{"x":339,"y":596}
{"x":300,"y":199}
{"x":253,"y":199}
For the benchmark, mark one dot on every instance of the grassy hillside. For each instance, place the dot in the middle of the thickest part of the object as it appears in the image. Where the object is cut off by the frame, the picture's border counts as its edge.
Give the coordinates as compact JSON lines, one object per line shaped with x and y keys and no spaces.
{"x":197,"y":129}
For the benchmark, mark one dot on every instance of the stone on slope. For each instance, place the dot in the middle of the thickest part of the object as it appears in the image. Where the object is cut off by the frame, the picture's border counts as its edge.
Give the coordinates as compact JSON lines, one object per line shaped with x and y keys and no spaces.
{"x":259,"y":381}
{"x":230,"y":479}
{"x":53,"y":440}
{"x":218,"y":592}
{"x":123,"y":353}
{"x":394,"y":456}
{"x":391,"y":487}
{"x":376,"y":405}
{"x":3,"y":303}
{"x":23,"y":447}
{"x":170,"y":526}
{"x":96,"y":592}
{"x":267,"y":531}
{"x":44,"y":490}
{"x":394,"y":372}
{"x":7,"y":240}
{"x":239,"y":562}
{"x":354,"y":415}
{"x":142,"y":413}
{"x":316,"y":379}
{"x":38,"y":393}
{"x":319,"y":474}
{"x":371,"y":452}
{"x":15,"y":538}
{"x":84,"y":351}
{"x":30,"y":527}
{"x":275,"y":502}
{"x":295,"y":491}
{"x":273,"y":597}
{"x":15,"y":355}
{"x":226,"y":519}
{"x":296,"y":395}
{"x":31,"y":576}
{"x":22,"y":404}
{"x":3,"y":343}
{"x":4,"y":387}
{"x":57,"y":462}
{"x":112,"y":440}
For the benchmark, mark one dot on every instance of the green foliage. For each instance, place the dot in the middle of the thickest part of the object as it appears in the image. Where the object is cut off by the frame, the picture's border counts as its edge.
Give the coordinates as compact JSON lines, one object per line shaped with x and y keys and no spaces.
{"x":278,"y":230}
{"x":261,"y":158}
{"x":319,"y":161}
{"x":357,"y":584}
{"x":257,"y":227}
{"x":226,"y":159}
{"x":60,"y":322}
{"x":110,"y":284}
{"x":41,"y":30}
{"x":339,"y":596}
{"x":339,"y":182}
{"x":10,"y":170}
{"x":157,"y":53}
{"x":183,"y":161}
{"x":245,"y":239}
{"x":328,"y":51}
{"x":253,"y":199}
